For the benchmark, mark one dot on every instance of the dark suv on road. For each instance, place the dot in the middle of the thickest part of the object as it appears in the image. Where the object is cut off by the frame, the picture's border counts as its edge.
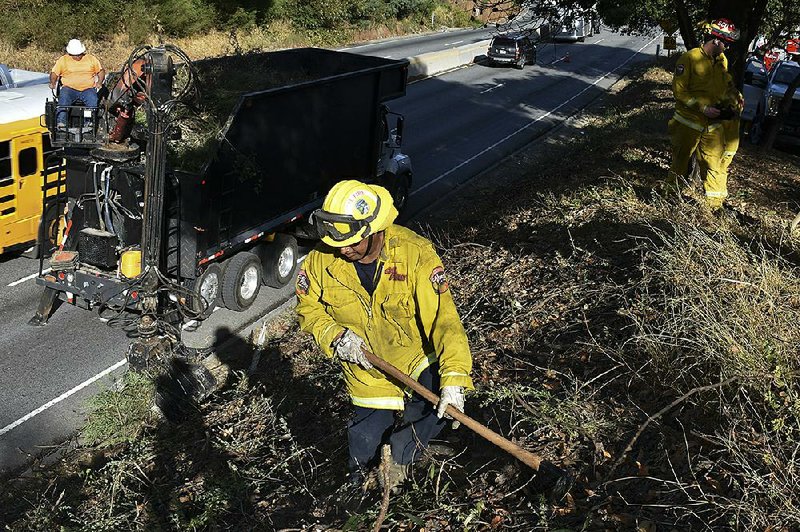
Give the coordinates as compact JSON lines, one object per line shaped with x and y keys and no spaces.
{"x":512,"y":49}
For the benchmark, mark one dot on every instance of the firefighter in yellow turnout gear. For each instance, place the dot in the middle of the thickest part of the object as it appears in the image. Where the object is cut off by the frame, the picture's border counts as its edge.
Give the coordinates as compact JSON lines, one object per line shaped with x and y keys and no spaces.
{"x":373,"y":285}
{"x":707,"y":106}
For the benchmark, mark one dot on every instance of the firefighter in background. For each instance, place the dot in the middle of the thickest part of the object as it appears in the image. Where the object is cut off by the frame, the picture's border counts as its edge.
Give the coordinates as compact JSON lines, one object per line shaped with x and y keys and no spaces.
{"x":373,"y":285}
{"x":707,"y":104}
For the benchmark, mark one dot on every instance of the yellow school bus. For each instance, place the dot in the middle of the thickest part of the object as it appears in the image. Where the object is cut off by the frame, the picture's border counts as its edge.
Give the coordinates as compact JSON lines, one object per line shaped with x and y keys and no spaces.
{"x":27,"y":170}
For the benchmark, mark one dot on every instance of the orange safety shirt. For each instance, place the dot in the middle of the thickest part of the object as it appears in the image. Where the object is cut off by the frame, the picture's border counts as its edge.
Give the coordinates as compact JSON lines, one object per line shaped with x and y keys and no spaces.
{"x":75,"y":74}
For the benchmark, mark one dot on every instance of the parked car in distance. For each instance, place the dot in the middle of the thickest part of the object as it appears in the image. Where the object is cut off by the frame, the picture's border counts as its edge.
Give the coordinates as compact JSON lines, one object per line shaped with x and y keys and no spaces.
{"x":574,"y":29}
{"x":515,"y":49}
{"x":780,"y":76}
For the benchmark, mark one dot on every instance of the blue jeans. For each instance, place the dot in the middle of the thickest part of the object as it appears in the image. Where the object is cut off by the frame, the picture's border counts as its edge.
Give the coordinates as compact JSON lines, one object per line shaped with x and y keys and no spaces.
{"x":68,"y":96}
{"x":369,"y":428}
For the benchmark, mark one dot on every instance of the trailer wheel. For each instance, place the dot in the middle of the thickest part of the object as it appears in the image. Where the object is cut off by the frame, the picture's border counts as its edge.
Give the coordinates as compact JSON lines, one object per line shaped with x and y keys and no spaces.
{"x":278,"y":260}
{"x":206,"y":291}
{"x":47,"y":239}
{"x":241,"y":281}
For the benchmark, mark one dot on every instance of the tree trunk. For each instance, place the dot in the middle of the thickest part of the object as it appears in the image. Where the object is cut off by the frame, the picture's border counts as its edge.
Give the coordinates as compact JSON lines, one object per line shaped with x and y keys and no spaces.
{"x":685,"y":24}
{"x":774,"y":124}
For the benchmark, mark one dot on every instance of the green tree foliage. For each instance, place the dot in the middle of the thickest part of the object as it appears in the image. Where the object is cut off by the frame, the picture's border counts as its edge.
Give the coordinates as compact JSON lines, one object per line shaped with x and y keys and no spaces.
{"x":772,"y":18}
{"x":51,"y":23}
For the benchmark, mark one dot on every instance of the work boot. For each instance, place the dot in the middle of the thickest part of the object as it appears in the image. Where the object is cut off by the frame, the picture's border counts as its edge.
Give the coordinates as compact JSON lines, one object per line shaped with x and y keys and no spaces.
{"x":397,"y":474}
{"x":714,"y":204}
{"x":435,"y":452}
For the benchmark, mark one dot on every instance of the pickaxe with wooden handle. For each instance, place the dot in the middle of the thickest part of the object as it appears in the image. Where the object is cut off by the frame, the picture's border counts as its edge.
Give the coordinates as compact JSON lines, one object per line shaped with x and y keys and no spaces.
{"x":564,"y":480}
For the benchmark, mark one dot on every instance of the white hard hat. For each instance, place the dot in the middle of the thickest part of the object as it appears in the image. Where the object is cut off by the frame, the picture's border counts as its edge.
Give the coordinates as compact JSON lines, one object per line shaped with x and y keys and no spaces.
{"x":75,"y":47}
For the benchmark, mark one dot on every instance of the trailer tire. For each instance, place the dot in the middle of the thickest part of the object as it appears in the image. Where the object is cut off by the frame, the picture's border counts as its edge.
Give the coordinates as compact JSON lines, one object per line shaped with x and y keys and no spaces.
{"x":241,"y":281}
{"x":400,"y":189}
{"x":278,"y":260}
{"x":207,"y":288}
{"x":47,"y":238}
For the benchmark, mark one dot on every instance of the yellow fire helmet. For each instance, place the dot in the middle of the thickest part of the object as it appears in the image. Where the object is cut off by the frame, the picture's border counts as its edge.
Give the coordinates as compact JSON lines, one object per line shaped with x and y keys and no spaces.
{"x":352,"y":211}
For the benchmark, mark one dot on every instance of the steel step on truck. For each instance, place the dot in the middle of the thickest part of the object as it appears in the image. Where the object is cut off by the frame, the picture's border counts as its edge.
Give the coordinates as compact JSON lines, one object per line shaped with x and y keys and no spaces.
{"x":249,"y":151}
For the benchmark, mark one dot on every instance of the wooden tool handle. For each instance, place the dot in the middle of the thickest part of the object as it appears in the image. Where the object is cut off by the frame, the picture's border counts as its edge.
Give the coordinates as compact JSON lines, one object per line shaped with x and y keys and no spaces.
{"x":510,"y":447}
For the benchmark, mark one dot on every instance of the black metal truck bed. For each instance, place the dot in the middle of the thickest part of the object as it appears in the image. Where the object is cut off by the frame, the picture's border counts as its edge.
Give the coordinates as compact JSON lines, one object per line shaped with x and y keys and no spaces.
{"x":294,"y":122}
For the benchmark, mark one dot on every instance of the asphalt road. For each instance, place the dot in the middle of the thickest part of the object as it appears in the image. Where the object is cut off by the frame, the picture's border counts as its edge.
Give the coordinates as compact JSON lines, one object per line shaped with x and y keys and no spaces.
{"x":457,"y":125}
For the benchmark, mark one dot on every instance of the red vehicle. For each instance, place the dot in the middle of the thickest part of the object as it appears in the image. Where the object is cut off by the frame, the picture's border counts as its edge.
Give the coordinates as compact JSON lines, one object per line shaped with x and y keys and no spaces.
{"x":771,"y":57}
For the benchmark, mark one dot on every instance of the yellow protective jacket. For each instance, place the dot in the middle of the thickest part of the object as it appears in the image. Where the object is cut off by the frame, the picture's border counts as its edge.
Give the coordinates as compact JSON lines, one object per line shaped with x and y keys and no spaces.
{"x":410,"y":321}
{"x":701,"y":80}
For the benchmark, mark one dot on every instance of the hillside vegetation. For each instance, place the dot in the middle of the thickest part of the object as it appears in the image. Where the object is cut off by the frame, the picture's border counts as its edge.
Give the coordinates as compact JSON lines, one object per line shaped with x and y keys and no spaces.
{"x":34,"y":32}
{"x":644,"y":343}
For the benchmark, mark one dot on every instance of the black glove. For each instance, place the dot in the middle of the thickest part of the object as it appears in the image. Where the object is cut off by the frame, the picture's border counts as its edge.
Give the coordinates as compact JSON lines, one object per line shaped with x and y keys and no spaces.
{"x":726,"y":112}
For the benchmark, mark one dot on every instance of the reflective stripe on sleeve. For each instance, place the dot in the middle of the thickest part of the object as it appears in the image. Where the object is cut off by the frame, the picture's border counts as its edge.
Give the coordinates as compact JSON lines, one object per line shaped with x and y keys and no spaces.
{"x":455,"y":374}
{"x":429,"y":359}
{"x":688,"y":123}
{"x":694,"y":125}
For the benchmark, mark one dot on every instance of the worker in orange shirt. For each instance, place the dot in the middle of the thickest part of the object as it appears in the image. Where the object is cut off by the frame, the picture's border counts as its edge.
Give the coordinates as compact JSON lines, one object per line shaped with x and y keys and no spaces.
{"x":81,"y":76}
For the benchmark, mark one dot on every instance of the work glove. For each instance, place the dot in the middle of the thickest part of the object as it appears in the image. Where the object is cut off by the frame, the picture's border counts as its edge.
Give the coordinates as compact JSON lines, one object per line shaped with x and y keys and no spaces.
{"x":350,"y":348}
{"x":451,"y":395}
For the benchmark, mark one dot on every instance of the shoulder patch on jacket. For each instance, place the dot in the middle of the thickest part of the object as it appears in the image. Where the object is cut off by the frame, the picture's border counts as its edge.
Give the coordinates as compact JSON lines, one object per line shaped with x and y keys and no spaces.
{"x":680,"y":69}
{"x":303,"y":284}
{"x":439,"y":281}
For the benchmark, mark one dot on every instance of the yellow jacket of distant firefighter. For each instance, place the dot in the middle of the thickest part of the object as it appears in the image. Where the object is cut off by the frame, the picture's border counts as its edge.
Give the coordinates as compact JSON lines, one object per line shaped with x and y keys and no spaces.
{"x":699,"y":81}
{"x":410,"y":321}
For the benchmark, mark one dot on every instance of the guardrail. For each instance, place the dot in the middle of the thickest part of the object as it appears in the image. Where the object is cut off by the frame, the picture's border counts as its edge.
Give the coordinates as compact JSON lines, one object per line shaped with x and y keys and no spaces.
{"x":432,"y":63}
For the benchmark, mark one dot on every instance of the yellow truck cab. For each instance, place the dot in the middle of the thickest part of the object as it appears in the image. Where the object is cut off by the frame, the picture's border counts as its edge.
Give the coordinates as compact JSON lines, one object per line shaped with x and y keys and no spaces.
{"x":24,"y":153}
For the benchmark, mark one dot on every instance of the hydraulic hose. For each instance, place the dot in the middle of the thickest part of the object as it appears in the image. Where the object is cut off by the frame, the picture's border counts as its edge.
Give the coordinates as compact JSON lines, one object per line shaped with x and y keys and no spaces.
{"x":97,"y":197}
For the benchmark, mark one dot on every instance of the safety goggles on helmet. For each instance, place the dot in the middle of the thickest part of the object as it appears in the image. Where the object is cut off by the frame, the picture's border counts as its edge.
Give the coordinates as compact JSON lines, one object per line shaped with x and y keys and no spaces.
{"x":325,"y":223}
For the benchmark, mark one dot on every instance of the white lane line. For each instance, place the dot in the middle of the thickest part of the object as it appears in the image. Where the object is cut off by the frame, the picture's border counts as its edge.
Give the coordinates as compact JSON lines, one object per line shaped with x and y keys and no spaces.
{"x":61,"y":397}
{"x":599,"y":41}
{"x":27,"y":278}
{"x":532,"y":122}
{"x":452,"y":43}
{"x":493,"y":88}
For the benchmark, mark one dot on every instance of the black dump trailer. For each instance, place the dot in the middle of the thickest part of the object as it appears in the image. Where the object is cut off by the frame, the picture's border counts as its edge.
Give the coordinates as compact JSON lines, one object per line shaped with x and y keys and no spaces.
{"x":267,"y":137}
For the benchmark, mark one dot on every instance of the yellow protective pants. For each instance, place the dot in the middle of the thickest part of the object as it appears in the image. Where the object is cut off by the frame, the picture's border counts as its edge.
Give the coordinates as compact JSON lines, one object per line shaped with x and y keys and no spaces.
{"x":730,"y":129}
{"x":709,"y":145}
